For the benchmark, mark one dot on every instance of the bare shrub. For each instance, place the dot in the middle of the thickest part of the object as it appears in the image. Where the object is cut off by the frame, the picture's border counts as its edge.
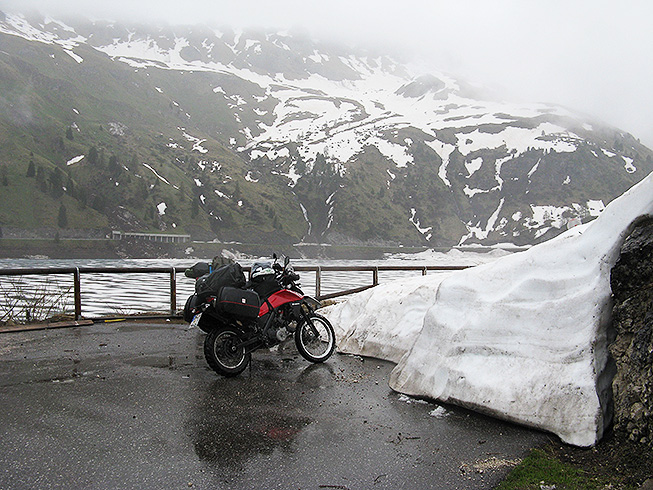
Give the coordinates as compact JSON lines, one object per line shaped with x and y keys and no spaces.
{"x":32,"y":301}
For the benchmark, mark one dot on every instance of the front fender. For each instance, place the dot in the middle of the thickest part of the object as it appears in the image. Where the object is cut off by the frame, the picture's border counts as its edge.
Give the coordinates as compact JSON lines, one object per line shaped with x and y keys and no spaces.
{"x":312,"y":303}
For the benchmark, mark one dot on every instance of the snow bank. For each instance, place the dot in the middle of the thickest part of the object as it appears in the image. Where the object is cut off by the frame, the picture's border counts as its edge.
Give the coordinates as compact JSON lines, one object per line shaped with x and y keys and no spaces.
{"x":523,"y":338}
{"x":384,"y":321}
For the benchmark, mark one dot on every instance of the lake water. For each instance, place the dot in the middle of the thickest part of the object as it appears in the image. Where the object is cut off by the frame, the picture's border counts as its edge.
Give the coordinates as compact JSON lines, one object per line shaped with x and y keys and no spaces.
{"x":111,"y":294}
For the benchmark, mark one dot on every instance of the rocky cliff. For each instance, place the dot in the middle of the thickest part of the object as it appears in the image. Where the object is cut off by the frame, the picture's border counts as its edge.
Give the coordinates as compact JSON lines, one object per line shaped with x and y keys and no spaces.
{"x":632,"y":285}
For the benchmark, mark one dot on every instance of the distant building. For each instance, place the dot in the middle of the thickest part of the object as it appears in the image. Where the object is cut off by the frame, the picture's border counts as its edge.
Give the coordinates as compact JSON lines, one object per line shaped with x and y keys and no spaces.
{"x":152,"y":237}
{"x":573,"y":222}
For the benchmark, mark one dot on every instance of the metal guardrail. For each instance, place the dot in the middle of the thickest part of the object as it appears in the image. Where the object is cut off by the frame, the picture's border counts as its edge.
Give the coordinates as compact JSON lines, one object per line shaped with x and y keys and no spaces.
{"x":77,"y":283}
{"x":172,"y":271}
{"x":368,"y":268}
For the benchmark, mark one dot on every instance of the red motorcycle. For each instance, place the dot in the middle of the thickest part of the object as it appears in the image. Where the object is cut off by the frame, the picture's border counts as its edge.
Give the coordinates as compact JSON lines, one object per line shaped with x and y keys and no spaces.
{"x":240,"y":317}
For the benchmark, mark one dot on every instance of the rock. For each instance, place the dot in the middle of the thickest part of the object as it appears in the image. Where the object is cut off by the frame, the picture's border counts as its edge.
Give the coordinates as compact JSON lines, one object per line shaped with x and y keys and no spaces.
{"x":647,"y":485}
{"x":632,"y":349}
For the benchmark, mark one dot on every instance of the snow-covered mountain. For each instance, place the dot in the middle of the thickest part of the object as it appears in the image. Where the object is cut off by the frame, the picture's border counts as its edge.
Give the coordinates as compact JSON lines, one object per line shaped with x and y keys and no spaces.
{"x":312,"y":142}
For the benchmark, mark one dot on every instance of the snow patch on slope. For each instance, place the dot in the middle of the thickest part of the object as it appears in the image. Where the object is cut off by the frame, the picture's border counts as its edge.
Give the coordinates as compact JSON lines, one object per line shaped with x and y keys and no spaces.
{"x":75,"y":160}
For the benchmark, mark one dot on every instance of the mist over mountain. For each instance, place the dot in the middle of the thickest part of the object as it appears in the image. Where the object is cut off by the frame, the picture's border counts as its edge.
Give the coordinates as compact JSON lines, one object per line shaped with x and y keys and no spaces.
{"x":264,"y":137}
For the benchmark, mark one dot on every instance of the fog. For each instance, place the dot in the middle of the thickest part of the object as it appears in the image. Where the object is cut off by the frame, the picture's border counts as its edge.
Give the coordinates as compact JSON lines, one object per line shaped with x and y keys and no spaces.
{"x":592,"y":56}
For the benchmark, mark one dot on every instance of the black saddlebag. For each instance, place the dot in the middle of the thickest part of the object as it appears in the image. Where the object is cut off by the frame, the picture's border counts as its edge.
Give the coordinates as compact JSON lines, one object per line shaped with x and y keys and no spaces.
{"x":191,"y":303}
{"x":242,"y":303}
{"x":230,"y":275}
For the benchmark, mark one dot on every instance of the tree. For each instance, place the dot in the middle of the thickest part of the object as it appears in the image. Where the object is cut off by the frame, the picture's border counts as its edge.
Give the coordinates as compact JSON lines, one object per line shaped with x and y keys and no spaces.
{"x":300,"y":166}
{"x":59,"y":144}
{"x":143,"y":190}
{"x":98,"y":203}
{"x":31,"y":170}
{"x":56,"y":182}
{"x":114,"y":168}
{"x":92,"y":155}
{"x":62,"y":220}
{"x":320,"y":165}
{"x":81,"y":197}
{"x":70,"y":186}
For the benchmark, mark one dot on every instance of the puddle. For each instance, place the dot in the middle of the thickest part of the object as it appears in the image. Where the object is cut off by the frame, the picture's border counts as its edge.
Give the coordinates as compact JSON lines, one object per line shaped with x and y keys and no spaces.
{"x":162,"y":362}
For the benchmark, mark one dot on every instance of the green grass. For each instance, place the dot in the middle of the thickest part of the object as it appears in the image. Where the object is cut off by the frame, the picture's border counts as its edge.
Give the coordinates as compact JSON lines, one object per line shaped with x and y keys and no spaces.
{"x":541,"y":469}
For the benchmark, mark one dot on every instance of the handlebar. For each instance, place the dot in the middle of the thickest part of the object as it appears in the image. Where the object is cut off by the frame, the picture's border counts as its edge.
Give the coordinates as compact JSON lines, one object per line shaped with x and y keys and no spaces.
{"x":285,"y":274}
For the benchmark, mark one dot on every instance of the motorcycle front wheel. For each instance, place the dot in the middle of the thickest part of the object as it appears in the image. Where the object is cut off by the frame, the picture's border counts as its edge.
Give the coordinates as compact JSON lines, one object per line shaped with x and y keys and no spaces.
{"x":315,"y":339}
{"x":223,"y":354}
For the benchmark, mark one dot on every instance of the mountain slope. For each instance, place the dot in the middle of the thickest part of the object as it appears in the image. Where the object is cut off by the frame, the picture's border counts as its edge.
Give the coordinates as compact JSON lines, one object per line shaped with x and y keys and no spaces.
{"x":271,"y":137}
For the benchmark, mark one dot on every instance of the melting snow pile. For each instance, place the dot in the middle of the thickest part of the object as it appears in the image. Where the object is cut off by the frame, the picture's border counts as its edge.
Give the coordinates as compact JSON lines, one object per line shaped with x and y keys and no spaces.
{"x":523,"y":338}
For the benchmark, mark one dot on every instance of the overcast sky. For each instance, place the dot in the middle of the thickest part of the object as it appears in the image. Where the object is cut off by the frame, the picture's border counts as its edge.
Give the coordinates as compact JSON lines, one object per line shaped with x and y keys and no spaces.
{"x":593,"y":56}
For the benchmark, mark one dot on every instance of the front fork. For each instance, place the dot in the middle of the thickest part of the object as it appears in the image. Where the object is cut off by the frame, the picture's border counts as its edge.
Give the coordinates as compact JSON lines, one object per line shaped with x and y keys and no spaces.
{"x":307,"y":316}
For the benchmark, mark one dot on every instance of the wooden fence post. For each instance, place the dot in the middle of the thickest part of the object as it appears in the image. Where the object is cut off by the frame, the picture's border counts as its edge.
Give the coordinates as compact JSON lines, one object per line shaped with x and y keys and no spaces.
{"x":173,"y":291}
{"x":77,"y":288}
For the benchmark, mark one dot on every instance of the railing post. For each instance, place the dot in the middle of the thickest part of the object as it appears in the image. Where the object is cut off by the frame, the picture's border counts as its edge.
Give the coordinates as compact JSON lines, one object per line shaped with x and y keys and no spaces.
{"x":77,"y":288}
{"x":173,"y":291}
{"x":318,"y":282}
{"x":375,"y":276}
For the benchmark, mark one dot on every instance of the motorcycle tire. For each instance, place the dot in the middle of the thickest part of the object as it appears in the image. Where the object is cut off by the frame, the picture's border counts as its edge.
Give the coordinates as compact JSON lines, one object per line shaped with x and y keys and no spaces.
{"x":223,"y":355}
{"x":315,"y":339}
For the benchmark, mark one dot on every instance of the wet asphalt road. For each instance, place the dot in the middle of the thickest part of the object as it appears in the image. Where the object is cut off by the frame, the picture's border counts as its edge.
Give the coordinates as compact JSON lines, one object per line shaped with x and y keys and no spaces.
{"x":134,"y":405}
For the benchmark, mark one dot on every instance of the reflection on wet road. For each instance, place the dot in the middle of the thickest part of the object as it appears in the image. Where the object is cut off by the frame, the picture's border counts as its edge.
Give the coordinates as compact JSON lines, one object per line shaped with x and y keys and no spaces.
{"x":235,"y":421}
{"x":133,"y":405}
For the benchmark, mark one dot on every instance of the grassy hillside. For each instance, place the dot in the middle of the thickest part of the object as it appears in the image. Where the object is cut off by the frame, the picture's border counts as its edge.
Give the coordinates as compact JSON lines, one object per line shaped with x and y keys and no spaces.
{"x":135,"y":140}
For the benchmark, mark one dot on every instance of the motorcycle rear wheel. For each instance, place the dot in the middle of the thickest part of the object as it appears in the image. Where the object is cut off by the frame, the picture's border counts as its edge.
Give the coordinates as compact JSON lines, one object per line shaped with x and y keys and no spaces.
{"x":223,"y":354}
{"x":315,"y":339}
